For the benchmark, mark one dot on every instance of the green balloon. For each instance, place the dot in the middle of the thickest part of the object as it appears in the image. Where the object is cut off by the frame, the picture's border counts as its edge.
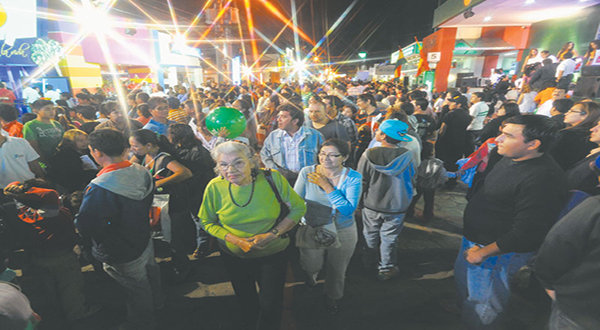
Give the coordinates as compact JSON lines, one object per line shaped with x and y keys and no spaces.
{"x":228,"y":118}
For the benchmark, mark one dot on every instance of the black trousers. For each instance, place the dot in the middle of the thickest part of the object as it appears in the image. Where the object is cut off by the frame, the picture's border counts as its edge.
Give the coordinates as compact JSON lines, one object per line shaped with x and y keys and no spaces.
{"x":428,"y":196}
{"x":260,"y":310}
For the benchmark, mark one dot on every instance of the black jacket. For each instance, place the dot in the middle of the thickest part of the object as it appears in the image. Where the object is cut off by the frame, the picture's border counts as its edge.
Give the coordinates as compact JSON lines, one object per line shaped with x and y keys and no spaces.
{"x":66,"y":170}
{"x":571,"y":146}
{"x":543,"y":77}
{"x":568,"y":262}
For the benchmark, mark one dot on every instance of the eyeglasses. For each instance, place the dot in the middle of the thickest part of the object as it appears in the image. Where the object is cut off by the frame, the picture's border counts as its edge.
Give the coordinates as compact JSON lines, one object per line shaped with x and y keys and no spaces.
{"x":331,"y":156}
{"x":238,"y":165}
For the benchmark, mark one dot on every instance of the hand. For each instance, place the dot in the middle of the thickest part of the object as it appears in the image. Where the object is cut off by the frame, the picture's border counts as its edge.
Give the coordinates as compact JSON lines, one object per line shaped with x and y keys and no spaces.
{"x":243,"y":243}
{"x":473,"y":256}
{"x":320,"y":180}
{"x":551,"y":294}
{"x":223,"y":132}
{"x":14,"y":189}
{"x":260,"y":241}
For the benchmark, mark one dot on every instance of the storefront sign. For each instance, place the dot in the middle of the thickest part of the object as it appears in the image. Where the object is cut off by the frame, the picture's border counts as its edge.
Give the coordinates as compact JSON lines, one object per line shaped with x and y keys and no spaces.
{"x":434,"y":57}
{"x":19,"y":53}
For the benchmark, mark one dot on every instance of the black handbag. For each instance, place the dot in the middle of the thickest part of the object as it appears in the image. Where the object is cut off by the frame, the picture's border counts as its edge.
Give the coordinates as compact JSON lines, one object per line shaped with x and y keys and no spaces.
{"x":317,"y":214}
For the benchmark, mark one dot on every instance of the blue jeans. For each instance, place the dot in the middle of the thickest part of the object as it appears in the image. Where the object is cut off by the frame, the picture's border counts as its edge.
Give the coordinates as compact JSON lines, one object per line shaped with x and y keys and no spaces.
{"x":484,"y":290}
{"x":381,"y":232}
{"x":560,"y":321}
{"x":141,"y":280}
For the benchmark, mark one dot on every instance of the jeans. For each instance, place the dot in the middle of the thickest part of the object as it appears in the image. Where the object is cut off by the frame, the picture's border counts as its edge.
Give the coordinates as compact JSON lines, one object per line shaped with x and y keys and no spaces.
{"x":262,"y":310}
{"x":336,"y":261}
{"x":381,"y":232}
{"x":484,"y":290}
{"x":141,"y":280}
{"x":560,"y":321}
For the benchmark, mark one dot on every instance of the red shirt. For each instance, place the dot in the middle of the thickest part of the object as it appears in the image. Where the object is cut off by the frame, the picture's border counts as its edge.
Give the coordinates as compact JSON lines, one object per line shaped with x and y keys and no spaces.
{"x":14,"y":128}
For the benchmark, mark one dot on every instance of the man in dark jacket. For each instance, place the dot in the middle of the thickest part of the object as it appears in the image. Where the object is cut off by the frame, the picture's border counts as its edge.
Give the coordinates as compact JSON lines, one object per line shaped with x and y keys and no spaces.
{"x":387,"y":173}
{"x":543,"y":77}
{"x":567,"y":266}
{"x":510,"y":211}
{"x":114,"y":215}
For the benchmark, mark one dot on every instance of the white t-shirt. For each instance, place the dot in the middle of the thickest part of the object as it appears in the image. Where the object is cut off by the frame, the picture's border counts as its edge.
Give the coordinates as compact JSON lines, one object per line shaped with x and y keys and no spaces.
{"x":545,"y":108}
{"x":478,"y":111}
{"x":527,"y":103}
{"x":567,"y":67}
{"x":15,"y":155}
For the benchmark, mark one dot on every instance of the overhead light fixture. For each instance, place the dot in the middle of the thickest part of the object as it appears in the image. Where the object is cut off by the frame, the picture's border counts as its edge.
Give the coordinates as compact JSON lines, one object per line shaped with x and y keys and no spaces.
{"x":468,"y":13}
{"x":529,"y":2}
{"x":487,"y":18}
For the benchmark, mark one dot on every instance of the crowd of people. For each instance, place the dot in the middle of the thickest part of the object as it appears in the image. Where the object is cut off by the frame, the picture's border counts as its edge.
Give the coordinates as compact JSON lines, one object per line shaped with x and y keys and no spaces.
{"x":317,"y":166}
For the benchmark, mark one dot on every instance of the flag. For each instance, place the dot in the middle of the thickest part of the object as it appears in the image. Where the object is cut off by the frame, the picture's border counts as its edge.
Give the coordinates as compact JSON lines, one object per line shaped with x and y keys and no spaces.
{"x":401,"y":60}
{"x":423,"y":65}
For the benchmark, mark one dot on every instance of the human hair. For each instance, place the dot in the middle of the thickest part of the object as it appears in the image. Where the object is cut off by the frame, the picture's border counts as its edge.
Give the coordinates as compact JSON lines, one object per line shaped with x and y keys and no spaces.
{"x":40,"y":103}
{"x":143,"y":96}
{"x":340,"y":145}
{"x":146,"y":136}
{"x":545,"y":52}
{"x":173,"y":103}
{"x":274,"y":100}
{"x":154,"y":101}
{"x":335,"y":101}
{"x":8,"y":112}
{"x":235,"y":147}
{"x":27,"y":117}
{"x":159,"y":88}
{"x":99,"y":98}
{"x":547,"y":61}
{"x":293,"y":111}
{"x":421,"y":103}
{"x":244,"y":105}
{"x":86,"y":111}
{"x":109,"y":141}
{"x":562,"y":105}
{"x":83,"y":96}
{"x":407,"y":107}
{"x":480,"y":95}
{"x":189,"y":104}
{"x":531,"y":51}
{"x":144,"y":110}
{"x":593,"y":42}
{"x":131,"y":96}
{"x":536,"y":127}
{"x":511,"y":109}
{"x":107,"y":107}
{"x":567,"y":55}
{"x":182,"y":135}
{"x":370,"y":99}
{"x":68,"y":140}
{"x":593,"y":115}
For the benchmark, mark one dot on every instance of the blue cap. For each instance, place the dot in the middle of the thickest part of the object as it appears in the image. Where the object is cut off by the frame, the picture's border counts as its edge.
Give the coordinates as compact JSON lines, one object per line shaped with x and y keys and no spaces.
{"x":396,"y":129}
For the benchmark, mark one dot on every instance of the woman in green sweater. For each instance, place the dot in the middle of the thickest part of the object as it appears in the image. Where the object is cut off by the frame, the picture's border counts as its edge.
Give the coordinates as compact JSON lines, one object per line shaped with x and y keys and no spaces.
{"x":241,"y":210}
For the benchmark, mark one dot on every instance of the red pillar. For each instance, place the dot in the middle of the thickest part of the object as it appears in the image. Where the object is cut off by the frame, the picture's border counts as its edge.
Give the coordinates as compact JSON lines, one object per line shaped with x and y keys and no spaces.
{"x":490,"y":62}
{"x":442,"y":41}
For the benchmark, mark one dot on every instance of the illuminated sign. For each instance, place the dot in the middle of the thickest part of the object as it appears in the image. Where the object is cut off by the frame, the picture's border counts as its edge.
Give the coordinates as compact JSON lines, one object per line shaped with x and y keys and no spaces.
{"x":18,"y":19}
{"x":236,"y":70}
{"x":28,"y":51}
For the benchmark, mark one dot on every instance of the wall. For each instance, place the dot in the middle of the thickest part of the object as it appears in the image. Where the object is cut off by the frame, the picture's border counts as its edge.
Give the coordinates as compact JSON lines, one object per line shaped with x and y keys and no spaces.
{"x":553,"y":34}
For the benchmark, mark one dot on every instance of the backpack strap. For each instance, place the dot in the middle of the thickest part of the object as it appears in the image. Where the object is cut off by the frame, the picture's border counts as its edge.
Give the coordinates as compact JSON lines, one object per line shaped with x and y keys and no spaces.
{"x":284,"y":209}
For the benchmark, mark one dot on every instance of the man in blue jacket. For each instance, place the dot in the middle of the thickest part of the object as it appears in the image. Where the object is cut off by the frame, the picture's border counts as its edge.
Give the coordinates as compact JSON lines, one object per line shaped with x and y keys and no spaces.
{"x":114,"y":216}
{"x":388,"y":173}
{"x":291,"y":146}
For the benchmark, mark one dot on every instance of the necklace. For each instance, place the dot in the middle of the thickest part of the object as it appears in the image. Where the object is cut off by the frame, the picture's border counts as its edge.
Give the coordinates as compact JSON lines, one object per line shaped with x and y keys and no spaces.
{"x":249,"y":199}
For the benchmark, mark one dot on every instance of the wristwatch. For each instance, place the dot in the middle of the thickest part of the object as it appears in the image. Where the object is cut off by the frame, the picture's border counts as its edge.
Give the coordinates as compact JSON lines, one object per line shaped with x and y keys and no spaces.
{"x":275,"y":232}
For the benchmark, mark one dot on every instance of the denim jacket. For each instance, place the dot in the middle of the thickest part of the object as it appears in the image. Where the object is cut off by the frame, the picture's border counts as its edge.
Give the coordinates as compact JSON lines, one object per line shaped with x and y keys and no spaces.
{"x":273,"y":155}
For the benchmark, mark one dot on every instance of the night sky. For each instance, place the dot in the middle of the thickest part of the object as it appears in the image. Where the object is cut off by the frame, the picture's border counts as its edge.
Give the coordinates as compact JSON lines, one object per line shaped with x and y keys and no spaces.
{"x":375,"y":26}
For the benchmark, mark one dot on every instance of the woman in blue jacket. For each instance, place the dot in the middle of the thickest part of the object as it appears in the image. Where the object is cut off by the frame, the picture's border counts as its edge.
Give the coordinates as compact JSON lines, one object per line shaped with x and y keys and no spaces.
{"x":331,"y":184}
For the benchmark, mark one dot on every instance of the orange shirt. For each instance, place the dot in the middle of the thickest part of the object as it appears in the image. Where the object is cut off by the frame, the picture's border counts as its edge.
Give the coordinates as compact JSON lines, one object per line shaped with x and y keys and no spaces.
{"x":544,"y":95}
{"x":14,"y":129}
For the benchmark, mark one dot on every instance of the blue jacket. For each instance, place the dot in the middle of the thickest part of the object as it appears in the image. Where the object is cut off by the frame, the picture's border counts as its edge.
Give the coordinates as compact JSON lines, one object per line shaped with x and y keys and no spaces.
{"x":114,"y":214}
{"x":344,"y":200}
{"x":273,"y":155}
{"x":159,"y":128}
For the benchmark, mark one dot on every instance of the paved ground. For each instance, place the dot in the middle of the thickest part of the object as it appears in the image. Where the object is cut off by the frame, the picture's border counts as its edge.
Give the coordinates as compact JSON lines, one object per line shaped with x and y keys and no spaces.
{"x":421,"y":297}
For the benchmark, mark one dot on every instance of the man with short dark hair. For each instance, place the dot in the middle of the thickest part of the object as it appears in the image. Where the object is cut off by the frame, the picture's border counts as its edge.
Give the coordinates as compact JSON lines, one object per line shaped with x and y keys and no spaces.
{"x":43,"y":133}
{"x":559,"y":108}
{"x":543,"y":77}
{"x":507,"y":218}
{"x":292,"y":145}
{"x":86,"y":114}
{"x":387,"y":173}
{"x":117,"y":119}
{"x":8,"y":119}
{"x":114,"y":217}
{"x":83,"y":99}
{"x":545,"y":108}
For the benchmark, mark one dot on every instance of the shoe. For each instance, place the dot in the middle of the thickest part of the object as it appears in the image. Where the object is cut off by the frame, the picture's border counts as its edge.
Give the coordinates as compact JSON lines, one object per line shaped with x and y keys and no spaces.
{"x":388,"y":273}
{"x":201,"y":252}
{"x":332,"y":305}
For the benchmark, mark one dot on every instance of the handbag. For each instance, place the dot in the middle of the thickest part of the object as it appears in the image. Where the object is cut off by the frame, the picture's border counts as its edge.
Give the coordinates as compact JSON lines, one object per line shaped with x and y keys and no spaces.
{"x":318,"y":214}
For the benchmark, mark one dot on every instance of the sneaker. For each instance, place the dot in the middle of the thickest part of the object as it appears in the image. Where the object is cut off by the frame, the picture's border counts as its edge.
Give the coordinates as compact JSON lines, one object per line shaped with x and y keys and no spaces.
{"x":388,"y":273}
